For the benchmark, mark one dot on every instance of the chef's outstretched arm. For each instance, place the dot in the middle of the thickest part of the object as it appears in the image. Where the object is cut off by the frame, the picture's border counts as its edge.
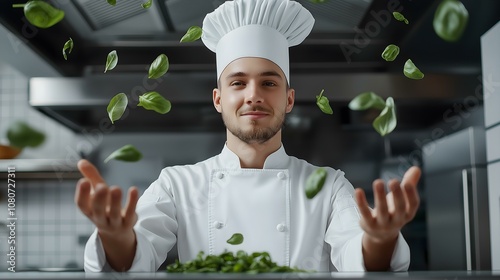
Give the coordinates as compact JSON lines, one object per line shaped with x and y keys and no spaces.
{"x":383,"y":223}
{"x":102,"y":205}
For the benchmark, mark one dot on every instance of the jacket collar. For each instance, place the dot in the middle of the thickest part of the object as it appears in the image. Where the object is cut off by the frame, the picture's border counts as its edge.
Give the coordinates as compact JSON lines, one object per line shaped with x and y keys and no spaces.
{"x":277,"y":160}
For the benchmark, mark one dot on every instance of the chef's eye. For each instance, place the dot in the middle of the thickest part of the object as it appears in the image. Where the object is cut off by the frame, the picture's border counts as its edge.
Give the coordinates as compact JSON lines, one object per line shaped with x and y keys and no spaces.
{"x":237,"y":83}
{"x":269,"y":84}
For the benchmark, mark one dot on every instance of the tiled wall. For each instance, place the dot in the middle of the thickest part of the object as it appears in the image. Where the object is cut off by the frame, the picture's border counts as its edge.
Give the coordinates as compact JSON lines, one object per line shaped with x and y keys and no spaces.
{"x":50,"y":229}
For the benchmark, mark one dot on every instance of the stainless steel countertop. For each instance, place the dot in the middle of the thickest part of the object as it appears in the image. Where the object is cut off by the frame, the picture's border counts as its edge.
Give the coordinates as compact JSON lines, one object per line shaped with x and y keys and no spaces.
{"x":469,"y":275}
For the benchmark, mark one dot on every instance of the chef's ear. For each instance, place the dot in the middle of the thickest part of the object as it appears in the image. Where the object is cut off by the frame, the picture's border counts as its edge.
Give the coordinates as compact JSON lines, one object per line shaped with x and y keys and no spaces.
{"x":216,"y":99}
{"x":290,"y":99}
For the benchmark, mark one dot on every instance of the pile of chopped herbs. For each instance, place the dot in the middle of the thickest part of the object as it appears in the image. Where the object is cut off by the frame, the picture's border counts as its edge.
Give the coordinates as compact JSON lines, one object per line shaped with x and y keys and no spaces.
{"x":229,"y":262}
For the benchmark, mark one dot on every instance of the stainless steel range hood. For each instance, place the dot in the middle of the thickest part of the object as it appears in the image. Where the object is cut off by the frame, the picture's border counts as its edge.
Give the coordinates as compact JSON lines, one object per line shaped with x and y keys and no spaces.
{"x":80,"y":103}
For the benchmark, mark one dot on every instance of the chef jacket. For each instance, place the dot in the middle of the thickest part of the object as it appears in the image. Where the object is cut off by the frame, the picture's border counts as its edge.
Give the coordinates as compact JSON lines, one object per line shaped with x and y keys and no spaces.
{"x":201,"y":206}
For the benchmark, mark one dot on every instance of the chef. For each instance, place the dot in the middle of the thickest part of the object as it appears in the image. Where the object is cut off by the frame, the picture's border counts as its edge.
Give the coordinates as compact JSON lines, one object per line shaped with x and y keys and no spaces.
{"x":252,"y":187}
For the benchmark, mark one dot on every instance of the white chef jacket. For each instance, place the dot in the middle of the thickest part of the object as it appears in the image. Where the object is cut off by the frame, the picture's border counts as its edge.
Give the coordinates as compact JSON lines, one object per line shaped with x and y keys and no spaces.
{"x":201,"y":206}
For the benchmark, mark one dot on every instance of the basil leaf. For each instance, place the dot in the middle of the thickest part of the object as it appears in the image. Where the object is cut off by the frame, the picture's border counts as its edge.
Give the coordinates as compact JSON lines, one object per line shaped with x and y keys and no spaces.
{"x":126,"y":153}
{"x":192,"y":34}
{"x":159,"y":67}
{"x":147,"y":5}
{"x":411,"y":71}
{"x":323,"y":103}
{"x":386,"y":122}
{"x":315,"y":182}
{"x":236,"y":239}
{"x":21,"y":135}
{"x":366,"y":100}
{"x":112,"y":2}
{"x":68,"y":47}
{"x":400,"y":17}
{"x":154,"y":101}
{"x":40,"y":13}
{"x":111,"y":61}
{"x":117,"y":106}
{"x":390,"y":53}
{"x":450,"y":20}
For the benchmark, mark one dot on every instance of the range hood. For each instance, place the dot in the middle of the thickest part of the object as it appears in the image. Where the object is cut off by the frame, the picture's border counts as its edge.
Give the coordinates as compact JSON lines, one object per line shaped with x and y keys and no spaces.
{"x":341,"y":55}
{"x":80,"y":103}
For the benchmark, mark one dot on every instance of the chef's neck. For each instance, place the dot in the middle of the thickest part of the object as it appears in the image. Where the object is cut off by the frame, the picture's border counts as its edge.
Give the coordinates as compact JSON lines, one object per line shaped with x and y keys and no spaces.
{"x":253,"y":155}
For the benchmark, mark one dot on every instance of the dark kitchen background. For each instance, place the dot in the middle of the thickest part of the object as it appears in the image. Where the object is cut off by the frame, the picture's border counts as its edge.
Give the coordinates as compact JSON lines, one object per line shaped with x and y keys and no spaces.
{"x":444,"y":120}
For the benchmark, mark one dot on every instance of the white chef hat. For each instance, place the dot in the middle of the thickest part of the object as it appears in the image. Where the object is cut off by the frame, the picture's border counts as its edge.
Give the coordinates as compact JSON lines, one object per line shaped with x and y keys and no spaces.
{"x":256,"y":28}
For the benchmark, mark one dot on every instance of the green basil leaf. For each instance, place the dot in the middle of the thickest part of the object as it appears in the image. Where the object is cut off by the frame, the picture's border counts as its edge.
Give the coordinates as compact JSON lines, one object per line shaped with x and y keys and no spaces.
{"x":147,"y":5}
{"x":323,"y":103}
{"x":411,"y":71}
{"x":21,"y":135}
{"x":390,"y":53}
{"x":111,"y":61}
{"x":159,"y":67}
{"x":126,"y":153}
{"x":112,"y":2}
{"x":236,"y":239}
{"x":366,"y":100}
{"x":117,"y":106}
{"x":450,"y":20}
{"x":315,"y":182}
{"x":400,"y":17}
{"x":192,"y":34}
{"x":41,"y":14}
{"x":386,"y":122}
{"x":68,"y":47}
{"x":154,"y":101}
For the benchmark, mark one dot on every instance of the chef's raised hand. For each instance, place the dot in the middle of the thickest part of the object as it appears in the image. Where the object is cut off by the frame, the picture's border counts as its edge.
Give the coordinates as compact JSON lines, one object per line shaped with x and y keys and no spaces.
{"x":102,"y":205}
{"x":392,"y":211}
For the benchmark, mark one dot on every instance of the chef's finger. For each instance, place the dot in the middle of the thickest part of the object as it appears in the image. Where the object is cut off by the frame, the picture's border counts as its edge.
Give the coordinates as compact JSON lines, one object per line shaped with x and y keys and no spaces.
{"x":82,"y":196}
{"x":398,"y":197}
{"x":115,"y":207}
{"x":363,"y":206}
{"x":99,"y":205}
{"x":130,"y":216}
{"x":381,"y":208}
{"x":409,"y":184}
{"x":90,"y":171}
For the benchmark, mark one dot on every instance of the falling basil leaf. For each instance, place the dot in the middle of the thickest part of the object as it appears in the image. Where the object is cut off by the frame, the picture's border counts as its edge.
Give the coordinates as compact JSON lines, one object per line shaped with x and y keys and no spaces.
{"x":40,"y":13}
{"x":386,"y":122}
{"x":21,"y":135}
{"x":411,"y":71}
{"x":154,"y":101}
{"x":126,"y":153}
{"x":147,"y":5}
{"x":315,"y":182}
{"x":159,"y":67}
{"x":390,"y":53}
{"x":112,"y":2}
{"x":111,"y":61}
{"x":68,"y":47}
{"x":450,"y":20}
{"x":192,"y":34}
{"x":366,"y":100}
{"x":400,"y":17}
{"x":236,"y":239}
{"x":323,"y":103}
{"x":117,"y":106}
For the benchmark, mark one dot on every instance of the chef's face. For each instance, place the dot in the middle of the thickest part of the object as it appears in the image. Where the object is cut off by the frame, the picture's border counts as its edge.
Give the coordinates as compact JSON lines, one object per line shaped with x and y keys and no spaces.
{"x":253,"y":98}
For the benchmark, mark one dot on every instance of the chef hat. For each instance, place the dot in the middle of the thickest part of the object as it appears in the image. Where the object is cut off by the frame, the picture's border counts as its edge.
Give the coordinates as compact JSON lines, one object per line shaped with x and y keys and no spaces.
{"x":256,"y":28}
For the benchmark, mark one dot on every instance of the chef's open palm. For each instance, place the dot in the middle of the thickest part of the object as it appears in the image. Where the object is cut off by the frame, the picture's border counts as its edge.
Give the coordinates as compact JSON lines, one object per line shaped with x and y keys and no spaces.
{"x":102,"y":204}
{"x":392,"y":210}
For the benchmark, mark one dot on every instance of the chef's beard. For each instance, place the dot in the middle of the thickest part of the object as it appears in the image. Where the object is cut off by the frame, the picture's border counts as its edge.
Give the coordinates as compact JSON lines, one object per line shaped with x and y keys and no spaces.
{"x":256,"y":135}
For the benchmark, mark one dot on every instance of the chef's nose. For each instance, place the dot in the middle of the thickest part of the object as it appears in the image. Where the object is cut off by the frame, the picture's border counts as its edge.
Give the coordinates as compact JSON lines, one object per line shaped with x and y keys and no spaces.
{"x":253,"y":93}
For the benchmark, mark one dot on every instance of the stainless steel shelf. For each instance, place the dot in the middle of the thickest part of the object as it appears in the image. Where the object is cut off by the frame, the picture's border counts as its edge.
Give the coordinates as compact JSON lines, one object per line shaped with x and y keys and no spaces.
{"x":39,"y":169}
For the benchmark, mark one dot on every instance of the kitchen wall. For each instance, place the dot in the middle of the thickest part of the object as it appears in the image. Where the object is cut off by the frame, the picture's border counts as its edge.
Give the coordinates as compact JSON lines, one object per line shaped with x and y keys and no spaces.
{"x":50,"y":229}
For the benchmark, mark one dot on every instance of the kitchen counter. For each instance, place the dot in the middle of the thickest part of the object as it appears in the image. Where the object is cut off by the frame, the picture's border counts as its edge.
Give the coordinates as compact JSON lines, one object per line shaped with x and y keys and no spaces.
{"x":414,"y":275}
